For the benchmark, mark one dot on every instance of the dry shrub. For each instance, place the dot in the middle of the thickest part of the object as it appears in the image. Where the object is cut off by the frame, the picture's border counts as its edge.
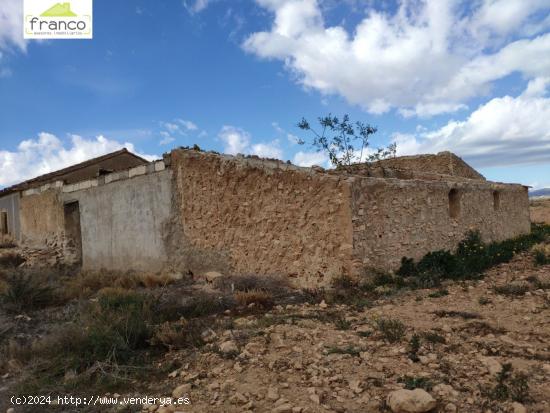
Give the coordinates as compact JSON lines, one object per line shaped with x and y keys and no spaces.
{"x":27,"y":290}
{"x":273,"y":284}
{"x":258,"y":297}
{"x":11,"y":260}
{"x":7,"y":241}
{"x":155,"y":280}
{"x":178,"y":335}
{"x":86,"y":284}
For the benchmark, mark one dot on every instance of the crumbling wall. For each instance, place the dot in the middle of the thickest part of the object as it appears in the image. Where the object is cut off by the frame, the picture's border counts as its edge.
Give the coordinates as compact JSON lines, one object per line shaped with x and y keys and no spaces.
{"x":123,"y":219}
{"x":41,"y":219}
{"x":395,"y":218}
{"x":263,"y":217}
{"x":443,"y":163}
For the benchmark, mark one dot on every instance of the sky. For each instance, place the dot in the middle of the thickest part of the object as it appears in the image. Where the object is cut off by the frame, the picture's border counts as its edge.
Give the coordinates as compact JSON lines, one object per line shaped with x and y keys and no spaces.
{"x":236,"y":76}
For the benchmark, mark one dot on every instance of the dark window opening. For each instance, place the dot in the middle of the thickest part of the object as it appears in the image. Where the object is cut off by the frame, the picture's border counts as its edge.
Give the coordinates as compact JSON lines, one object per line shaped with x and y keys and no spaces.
{"x":454,"y":203}
{"x":4,"y":230}
{"x":496,"y":200}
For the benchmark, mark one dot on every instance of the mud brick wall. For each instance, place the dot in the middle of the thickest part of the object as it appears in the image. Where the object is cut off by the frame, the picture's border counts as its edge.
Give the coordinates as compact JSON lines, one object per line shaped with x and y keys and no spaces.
{"x":395,"y":218}
{"x":263,"y":217}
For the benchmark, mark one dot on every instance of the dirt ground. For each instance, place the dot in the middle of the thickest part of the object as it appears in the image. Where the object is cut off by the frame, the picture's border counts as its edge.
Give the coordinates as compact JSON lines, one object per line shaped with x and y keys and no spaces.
{"x":316,"y":357}
{"x":292,"y":358}
{"x":540,"y":210}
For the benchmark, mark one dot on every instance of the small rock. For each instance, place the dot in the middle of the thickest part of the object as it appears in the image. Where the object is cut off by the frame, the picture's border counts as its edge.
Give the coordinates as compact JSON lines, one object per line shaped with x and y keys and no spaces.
{"x":492,"y":365}
{"x":410,"y":401}
{"x":10,"y":410}
{"x":322,"y":304}
{"x":272,"y":393}
{"x":211,"y":276}
{"x":283,"y":408}
{"x":229,"y":347}
{"x":450,"y":408}
{"x":518,"y":408}
{"x":181,"y":391}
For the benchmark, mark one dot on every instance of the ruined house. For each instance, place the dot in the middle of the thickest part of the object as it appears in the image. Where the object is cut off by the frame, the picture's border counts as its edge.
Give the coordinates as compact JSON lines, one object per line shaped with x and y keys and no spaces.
{"x":199,"y":211}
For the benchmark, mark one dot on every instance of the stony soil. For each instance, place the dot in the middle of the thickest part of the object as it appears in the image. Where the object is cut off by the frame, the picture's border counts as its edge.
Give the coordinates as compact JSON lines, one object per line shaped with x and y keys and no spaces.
{"x":289,"y":360}
{"x":309,"y":357}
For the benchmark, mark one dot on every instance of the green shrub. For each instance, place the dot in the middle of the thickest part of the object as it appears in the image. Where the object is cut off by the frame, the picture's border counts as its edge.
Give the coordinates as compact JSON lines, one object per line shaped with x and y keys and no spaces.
{"x":414,"y":348}
{"x":392,"y":330}
{"x":514,"y":290}
{"x":510,"y":386}
{"x":439,"y":293}
{"x":412,"y":383}
{"x":470,"y":260}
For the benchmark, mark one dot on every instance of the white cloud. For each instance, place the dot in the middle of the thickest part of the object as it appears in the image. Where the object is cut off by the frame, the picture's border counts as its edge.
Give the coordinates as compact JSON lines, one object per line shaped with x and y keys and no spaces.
{"x":11,"y":25}
{"x":237,"y":140}
{"x":267,"y":150}
{"x":426,"y":58}
{"x":166,"y":138}
{"x":171,"y":127}
{"x":47,"y":153}
{"x":310,"y":158}
{"x":187,"y":124}
{"x":504,"y":131}
{"x":196,"y":6}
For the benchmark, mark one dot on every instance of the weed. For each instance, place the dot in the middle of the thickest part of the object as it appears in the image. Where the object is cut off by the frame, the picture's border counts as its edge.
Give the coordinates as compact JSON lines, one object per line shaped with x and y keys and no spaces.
{"x":538,"y":284}
{"x":462,"y":314}
{"x":414,"y":348}
{"x":439,"y":293}
{"x":412,"y":382}
{"x":484,"y":301}
{"x":392,"y":330}
{"x":514,"y":290}
{"x":510,"y":386}
{"x":352,"y":351}
{"x":6,"y":241}
{"x":272,"y":284}
{"x":342,"y":324}
{"x":199,"y":305}
{"x":433,"y":337}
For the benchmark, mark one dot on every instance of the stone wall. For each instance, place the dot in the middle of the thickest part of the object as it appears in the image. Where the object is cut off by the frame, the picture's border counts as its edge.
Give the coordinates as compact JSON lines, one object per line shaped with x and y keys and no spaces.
{"x":41,"y":219}
{"x":443,"y":163}
{"x":395,"y":218}
{"x":262,"y":217}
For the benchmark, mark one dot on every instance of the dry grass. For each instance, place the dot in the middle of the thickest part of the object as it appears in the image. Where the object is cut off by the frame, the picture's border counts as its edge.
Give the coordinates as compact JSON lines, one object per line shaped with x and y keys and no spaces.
{"x":7,"y":241}
{"x":86,"y":284}
{"x":258,"y":297}
{"x":270,"y":283}
{"x":540,"y":210}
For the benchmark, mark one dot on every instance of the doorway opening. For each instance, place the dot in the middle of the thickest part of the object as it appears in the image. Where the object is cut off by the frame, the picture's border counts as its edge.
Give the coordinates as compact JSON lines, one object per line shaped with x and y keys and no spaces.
{"x":73,"y":234}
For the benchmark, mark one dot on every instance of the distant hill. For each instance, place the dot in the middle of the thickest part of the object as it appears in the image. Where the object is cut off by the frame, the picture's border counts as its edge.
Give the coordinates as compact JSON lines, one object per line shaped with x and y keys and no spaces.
{"x":540,"y":192}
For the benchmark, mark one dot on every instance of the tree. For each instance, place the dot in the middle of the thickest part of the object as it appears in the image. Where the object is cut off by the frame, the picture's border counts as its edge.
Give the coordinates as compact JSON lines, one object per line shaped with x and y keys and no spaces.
{"x":337,"y":137}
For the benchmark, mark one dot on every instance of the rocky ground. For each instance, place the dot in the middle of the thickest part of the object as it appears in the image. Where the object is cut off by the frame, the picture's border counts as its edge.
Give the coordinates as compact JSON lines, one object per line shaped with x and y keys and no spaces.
{"x":469,"y":346}
{"x":321,"y":358}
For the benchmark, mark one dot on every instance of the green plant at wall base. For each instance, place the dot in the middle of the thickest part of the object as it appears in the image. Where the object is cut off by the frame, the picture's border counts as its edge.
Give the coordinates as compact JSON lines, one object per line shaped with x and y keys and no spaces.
{"x":470,"y":260}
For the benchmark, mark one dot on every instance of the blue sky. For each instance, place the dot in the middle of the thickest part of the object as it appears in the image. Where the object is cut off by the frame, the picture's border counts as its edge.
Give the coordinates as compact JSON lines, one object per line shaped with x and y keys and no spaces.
{"x":237,"y":75}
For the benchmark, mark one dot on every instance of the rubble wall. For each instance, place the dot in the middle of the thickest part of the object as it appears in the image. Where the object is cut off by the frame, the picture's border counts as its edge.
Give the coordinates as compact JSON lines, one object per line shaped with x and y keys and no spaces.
{"x":123,"y":218}
{"x":263,"y":217}
{"x":41,"y":219}
{"x":395,"y":218}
